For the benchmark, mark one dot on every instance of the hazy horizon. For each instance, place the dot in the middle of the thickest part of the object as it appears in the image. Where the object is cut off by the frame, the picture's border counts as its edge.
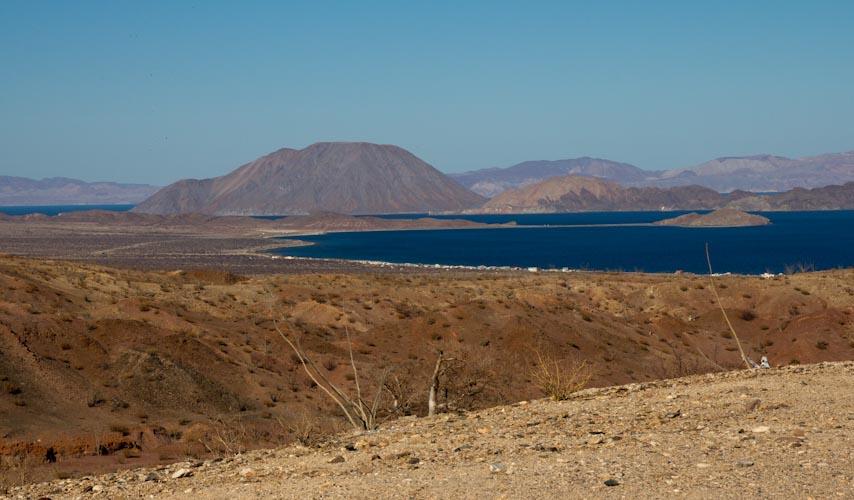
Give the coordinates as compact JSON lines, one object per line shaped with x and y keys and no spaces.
{"x":156,"y":92}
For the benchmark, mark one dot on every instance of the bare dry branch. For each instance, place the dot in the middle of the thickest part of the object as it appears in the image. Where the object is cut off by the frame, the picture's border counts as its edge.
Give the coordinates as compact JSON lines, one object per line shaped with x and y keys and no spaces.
{"x":723,"y":311}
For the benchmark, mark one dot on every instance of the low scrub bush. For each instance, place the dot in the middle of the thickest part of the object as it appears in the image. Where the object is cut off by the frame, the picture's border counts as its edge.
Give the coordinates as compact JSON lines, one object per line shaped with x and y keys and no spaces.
{"x":560,"y":379}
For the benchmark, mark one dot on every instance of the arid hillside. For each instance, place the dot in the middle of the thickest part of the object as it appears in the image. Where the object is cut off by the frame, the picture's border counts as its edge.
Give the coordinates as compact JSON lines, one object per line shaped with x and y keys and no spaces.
{"x":778,"y":433}
{"x":588,"y":194}
{"x":119,"y":368}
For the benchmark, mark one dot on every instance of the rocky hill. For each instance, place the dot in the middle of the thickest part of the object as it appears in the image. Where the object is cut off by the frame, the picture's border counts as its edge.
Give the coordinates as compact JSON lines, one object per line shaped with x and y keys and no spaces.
{"x":778,"y":433}
{"x":722,"y":217}
{"x":338,"y":177}
{"x":762,"y":173}
{"x":823,"y":198}
{"x":64,"y":191}
{"x":578,"y":194}
{"x":588,"y":194}
{"x":489,"y":182}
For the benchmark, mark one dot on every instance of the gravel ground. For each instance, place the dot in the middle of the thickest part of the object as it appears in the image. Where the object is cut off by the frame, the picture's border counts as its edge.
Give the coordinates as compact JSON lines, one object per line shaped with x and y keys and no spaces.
{"x":778,"y":433}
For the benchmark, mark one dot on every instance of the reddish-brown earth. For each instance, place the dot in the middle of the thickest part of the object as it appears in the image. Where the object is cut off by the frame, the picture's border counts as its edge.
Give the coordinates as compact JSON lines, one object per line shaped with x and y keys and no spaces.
{"x":153,"y":366}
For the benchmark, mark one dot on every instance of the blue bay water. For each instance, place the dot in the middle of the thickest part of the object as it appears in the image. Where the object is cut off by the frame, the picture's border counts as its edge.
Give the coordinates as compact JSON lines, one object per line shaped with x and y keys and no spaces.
{"x":823,"y":240}
{"x":59,"y":209}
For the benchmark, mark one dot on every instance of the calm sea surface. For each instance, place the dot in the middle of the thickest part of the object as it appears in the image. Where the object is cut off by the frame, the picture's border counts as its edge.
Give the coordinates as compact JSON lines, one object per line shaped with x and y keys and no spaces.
{"x":823,"y":240}
{"x":59,"y":209}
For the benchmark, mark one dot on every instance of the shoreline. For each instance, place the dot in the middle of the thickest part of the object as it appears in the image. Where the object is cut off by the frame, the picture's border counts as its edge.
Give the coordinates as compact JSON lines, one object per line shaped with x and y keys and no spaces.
{"x":240,"y":247}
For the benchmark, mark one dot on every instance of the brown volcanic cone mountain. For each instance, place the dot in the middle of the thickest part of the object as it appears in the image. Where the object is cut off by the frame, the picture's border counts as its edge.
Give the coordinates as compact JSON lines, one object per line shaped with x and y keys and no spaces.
{"x":327,"y":176}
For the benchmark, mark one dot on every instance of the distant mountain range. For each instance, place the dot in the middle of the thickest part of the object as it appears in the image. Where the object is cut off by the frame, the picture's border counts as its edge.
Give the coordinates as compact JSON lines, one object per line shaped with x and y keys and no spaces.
{"x":588,"y":194}
{"x":365,"y":178}
{"x":763,"y":173}
{"x":64,"y":191}
{"x":344,"y":177}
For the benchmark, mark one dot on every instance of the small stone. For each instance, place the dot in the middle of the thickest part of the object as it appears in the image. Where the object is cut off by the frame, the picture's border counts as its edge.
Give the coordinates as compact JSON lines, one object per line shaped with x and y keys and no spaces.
{"x":612,"y":482}
{"x":413,"y":461}
{"x":97,"y":488}
{"x":497,"y":468}
{"x":182,"y":473}
{"x":752,"y":405}
{"x":247,"y":472}
{"x":596,"y":440}
{"x":703,"y":466}
{"x":744,"y":463}
{"x":148,"y":477}
{"x":336,"y":460}
{"x":760,"y":429}
{"x":362,"y":444}
{"x":674,"y":414}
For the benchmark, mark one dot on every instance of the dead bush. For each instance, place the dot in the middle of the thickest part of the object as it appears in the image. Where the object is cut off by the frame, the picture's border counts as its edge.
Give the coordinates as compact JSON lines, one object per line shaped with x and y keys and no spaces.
{"x":560,"y":379}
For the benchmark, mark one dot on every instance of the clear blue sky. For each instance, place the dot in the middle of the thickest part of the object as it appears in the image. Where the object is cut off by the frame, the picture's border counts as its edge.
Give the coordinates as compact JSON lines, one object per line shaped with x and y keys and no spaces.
{"x":150,"y":91}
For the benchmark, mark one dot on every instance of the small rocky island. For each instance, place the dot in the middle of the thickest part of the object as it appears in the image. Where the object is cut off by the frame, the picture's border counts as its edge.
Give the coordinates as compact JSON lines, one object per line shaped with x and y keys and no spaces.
{"x":722,"y":217}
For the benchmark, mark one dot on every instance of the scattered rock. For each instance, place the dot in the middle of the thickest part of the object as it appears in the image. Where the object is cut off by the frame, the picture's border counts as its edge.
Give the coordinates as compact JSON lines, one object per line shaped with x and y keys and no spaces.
{"x":612,"y":482}
{"x":362,"y":444}
{"x":497,"y":468}
{"x":178,"y":474}
{"x":596,"y":440}
{"x":247,"y":472}
{"x":760,"y":429}
{"x":336,"y":460}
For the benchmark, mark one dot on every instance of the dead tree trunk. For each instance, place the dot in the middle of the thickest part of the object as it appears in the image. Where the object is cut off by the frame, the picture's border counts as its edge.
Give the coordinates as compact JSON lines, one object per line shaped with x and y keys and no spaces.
{"x":434,"y":386}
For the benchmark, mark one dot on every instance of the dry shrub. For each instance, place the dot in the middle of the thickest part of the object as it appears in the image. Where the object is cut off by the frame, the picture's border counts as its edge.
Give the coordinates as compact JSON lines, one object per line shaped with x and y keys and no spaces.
{"x":304,"y":428}
{"x":17,"y":470}
{"x":559,"y":379}
{"x":222,"y":436}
